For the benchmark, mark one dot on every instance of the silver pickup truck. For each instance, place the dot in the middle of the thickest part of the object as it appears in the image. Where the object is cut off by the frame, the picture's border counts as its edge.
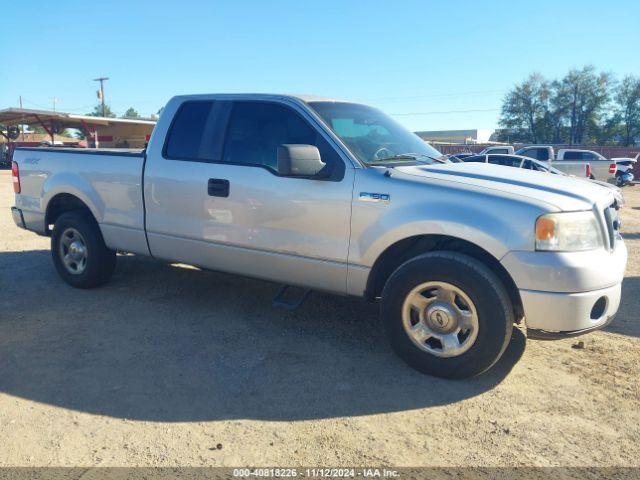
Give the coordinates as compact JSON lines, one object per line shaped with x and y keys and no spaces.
{"x":338,"y":197}
{"x":580,"y":163}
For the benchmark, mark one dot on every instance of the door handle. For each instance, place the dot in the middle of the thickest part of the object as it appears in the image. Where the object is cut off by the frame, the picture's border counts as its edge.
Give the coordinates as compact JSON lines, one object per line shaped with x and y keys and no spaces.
{"x":218,"y":187}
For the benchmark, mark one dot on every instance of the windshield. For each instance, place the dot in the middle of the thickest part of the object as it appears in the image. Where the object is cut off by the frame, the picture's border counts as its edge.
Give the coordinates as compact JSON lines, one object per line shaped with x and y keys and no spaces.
{"x":372,"y":136}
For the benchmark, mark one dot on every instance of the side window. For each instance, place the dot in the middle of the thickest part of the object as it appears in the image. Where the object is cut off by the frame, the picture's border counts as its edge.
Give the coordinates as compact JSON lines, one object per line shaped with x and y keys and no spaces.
{"x":572,"y":156}
{"x":475,"y":159}
{"x":504,"y":160}
{"x":536,"y":153}
{"x":528,"y":152}
{"x":543,"y":154}
{"x":196,"y":132}
{"x":256,"y":129}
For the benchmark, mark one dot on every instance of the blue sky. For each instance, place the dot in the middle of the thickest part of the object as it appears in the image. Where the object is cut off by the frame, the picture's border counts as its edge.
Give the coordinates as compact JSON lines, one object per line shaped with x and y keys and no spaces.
{"x":433,"y":64}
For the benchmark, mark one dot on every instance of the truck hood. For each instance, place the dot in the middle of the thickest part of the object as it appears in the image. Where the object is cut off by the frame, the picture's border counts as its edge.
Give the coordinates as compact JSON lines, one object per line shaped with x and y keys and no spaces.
{"x":563,"y":192}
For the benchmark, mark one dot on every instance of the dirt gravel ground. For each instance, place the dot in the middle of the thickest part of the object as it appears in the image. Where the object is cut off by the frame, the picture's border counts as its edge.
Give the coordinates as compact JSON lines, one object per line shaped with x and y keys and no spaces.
{"x":170,"y":366}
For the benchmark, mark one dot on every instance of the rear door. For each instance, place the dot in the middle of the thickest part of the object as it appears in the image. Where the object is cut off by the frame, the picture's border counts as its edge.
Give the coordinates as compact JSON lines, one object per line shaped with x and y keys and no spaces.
{"x":216,"y":200}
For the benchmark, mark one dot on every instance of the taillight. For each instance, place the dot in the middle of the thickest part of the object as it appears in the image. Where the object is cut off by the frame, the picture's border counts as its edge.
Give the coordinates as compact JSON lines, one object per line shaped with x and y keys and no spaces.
{"x":588,"y":171}
{"x":612,"y":168}
{"x":15,"y":175}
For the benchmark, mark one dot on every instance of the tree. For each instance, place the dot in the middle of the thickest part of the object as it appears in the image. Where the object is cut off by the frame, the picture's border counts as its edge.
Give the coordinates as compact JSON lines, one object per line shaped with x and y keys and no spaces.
{"x":525,"y":109}
{"x":156,"y":115}
{"x":97,"y":112}
{"x":610,"y":131}
{"x":131,"y":113}
{"x":582,"y":96}
{"x":79,"y":133}
{"x":627,"y":98}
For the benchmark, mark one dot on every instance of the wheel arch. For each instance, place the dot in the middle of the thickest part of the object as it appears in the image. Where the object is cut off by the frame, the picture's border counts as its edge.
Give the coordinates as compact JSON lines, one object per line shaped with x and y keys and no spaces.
{"x":403,"y":250}
{"x":62,"y":203}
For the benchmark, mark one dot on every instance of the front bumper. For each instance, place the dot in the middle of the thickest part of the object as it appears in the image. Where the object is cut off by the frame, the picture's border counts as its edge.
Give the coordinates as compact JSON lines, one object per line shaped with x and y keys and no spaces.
{"x":566,"y":294}
{"x":551,"y":315}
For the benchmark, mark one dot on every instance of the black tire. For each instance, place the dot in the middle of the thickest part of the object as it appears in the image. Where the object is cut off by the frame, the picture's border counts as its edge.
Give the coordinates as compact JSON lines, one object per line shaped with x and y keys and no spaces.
{"x":494,"y":313}
{"x":100,"y":262}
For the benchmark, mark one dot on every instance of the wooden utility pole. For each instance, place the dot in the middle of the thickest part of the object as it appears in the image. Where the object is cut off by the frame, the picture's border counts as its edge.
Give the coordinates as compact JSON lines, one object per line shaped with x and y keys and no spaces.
{"x":101,"y":91}
{"x":21,"y":126}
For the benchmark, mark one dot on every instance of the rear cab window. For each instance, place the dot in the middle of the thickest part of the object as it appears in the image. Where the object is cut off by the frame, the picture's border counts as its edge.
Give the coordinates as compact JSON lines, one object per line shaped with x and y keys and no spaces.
{"x":587,"y":156}
{"x":196,"y":131}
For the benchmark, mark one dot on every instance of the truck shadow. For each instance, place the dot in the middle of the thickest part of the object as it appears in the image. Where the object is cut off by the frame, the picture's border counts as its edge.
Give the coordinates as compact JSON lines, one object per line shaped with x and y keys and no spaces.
{"x":627,"y":319}
{"x":172,"y":344}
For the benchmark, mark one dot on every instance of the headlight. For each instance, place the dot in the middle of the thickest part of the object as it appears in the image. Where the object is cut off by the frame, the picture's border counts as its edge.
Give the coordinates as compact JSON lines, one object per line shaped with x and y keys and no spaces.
{"x":568,"y":231}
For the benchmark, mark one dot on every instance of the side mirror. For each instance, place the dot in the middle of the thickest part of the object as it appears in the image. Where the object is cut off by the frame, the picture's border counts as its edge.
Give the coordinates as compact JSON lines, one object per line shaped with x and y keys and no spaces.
{"x":299,"y":160}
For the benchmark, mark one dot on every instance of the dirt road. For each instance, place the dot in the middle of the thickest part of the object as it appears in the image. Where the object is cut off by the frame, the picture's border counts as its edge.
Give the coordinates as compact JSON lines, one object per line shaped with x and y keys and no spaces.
{"x":174,"y":366}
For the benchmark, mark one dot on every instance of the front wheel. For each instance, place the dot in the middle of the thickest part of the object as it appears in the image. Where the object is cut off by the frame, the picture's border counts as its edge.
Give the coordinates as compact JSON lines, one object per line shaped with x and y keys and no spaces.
{"x":447,"y":315}
{"x":79,"y":253}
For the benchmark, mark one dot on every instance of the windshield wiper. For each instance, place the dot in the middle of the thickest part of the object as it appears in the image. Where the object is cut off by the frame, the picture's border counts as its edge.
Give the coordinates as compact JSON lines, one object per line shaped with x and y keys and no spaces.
{"x":407,"y":156}
{"x":440,"y":159}
{"x":394,"y":158}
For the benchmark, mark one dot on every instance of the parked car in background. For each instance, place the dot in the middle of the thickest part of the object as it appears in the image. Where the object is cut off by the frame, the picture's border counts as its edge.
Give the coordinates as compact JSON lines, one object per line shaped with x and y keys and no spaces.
{"x":573,"y":161}
{"x":624,"y":172}
{"x":338,"y":197}
{"x":501,"y":149}
{"x":458,"y":157}
{"x":519,"y":161}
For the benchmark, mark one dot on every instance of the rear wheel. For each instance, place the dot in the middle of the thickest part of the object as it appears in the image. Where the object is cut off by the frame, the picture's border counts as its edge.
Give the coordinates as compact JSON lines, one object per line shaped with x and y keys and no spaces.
{"x":447,"y":315}
{"x":79,"y":253}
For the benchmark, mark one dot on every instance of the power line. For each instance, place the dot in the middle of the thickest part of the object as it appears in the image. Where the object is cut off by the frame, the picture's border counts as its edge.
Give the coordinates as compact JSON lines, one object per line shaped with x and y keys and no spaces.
{"x":26,"y":100}
{"x":439,"y":95}
{"x":445,"y":112}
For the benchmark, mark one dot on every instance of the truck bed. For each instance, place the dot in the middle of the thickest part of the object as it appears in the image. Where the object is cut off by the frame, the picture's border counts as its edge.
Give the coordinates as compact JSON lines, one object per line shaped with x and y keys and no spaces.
{"x":126,"y":152}
{"x":109,"y":180}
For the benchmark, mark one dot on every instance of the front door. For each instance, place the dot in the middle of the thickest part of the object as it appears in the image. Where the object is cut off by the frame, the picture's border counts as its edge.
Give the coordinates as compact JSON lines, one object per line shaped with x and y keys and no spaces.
{"x":216,"y":200}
